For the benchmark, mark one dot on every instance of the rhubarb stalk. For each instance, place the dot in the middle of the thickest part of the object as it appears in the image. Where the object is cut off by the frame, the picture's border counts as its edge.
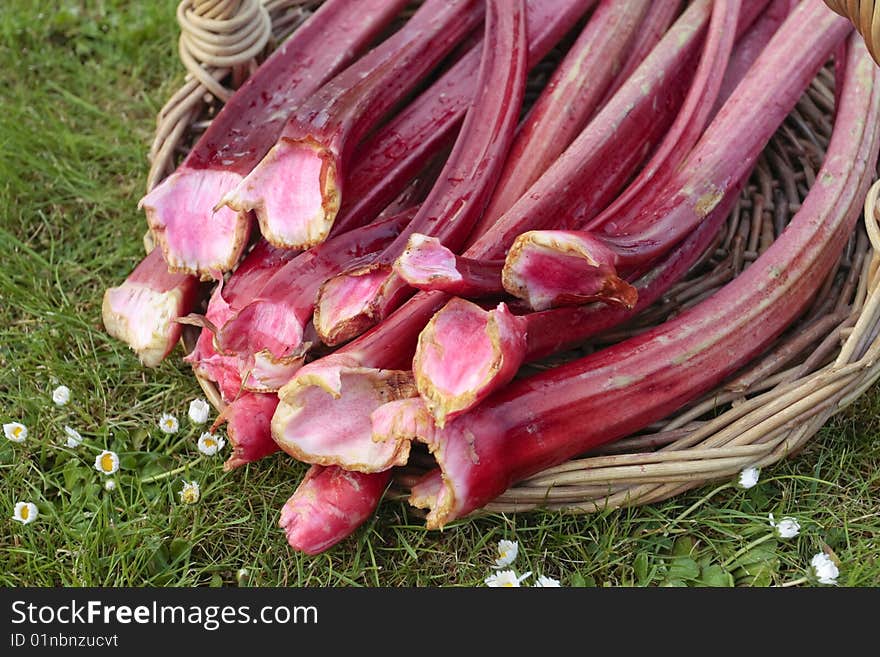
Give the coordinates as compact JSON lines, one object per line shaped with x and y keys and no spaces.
{"x":328,"y":505}
{"x":195,"y":238}
{"x":538,"y":422}
{"x":567,"y":102}
{"x":726,"y":152}
{"x":353,"y":301}
{"x":142,"y":311}
{"x":296,"y":189}
{"x":469,"y":175}
{"x":622,"y":130}
{"x":266,"y":334}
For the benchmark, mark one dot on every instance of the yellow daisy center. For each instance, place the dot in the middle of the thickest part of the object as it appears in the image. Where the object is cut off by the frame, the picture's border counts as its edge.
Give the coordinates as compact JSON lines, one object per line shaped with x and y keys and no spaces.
{"x":209,"y":442}
{"x":169,"y":423}
{"x":107,"y":462}
{"x":25,"y":512}
{"x":16,"y":431}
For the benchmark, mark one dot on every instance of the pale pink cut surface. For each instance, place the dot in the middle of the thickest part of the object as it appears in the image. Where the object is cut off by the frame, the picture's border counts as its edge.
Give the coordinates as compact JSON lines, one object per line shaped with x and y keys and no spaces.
{"x":265,"y":324}
{"x":144,"y":319}
{"x":346,"y":297}
{"x":426,"y":261}
{"x":317,"y":426}
{"x":549,"y":267}
{"x":284,"y":191}
{"x":457,"y":353}
{"x":194,"y":238}
{"x":268,"y":374}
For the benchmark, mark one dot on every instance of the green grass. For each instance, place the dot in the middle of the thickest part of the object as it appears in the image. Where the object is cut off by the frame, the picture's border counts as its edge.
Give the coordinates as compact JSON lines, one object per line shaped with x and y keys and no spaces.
{"x":81,"y":87}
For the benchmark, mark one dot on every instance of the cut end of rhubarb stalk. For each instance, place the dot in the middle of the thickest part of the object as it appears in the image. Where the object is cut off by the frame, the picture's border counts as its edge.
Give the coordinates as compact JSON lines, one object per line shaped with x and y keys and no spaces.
{"x":324,"y":414}
{"x":268,"y":373}
{"x":262,"y":326}
{"x":294,"y":193}
{"x":194,"y":237}
{"x":551,"y":268}
{"x":142,"y":312}
{"x":248,"y":426}
{"x":408,"y":419}
{"x":426,"y":263}
{"x":329,"y":505}
{"x":347,"y":304}
{"x":464,"y":354}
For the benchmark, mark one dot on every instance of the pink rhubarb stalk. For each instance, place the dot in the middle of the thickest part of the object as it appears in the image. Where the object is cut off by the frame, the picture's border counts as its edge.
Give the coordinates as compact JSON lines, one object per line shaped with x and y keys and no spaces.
{"x":386,"y":161}
{"x":228,"y":299}
{"x":539,"y":421}
{"x":353,"y":301}
{"x":726,"y":152}
{"x":690,"y":121}
{"x":266,"y":335}
{"x":568,"y":101}
{"x":658,"y":18}
{"x":248,"y":426}
{"x":142,"y":312}
{"x":453,"y":385}
{"x":469,"y":174}
{"x":296,"y":189}
{"x":329,"y":505}
{"x":426,"y":264}
{"x":180,"y":210}
{"x":355,"y":378}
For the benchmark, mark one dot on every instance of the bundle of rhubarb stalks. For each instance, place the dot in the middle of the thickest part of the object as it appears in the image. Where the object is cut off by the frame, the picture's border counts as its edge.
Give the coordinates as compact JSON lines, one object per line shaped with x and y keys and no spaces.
{"x":454,"y":246}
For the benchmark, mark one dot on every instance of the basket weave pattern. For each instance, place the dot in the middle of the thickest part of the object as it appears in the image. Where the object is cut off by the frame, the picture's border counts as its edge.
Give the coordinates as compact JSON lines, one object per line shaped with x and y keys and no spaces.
{"x":766,"y":413}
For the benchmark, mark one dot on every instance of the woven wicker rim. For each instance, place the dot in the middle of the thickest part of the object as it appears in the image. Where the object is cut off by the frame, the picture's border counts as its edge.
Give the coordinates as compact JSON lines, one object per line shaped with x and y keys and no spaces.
{"x":769,"y":411}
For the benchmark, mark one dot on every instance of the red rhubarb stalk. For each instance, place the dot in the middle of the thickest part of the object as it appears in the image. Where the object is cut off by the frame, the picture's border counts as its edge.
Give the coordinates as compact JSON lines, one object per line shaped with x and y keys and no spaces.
{"x":355,"y":379}
{"x":229,"y":298}
{"x":459,"y":380}
{"x":385,"y":162}
{"x":726,"y":152}
{"x":353,"y":301}
{"x":297,"y":187}
{"x":248,"y":425}
{"x":329,"y":505}
{"x":142,"y":311}
{"x":452,"y":206}
{"x":752,"y":44}
{"x":266,"y":334}
{"x":538,"y":422}
{"x":426,"y":264}
{"x":658,"y":18}
{"x":691,"y":120}
{"x":568,"y":101}
{"x":193,"y":237}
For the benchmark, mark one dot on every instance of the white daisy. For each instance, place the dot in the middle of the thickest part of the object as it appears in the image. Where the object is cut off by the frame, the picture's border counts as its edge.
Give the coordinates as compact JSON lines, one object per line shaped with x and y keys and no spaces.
{"x":546,"y":582}
{"x":15,"y":431}
{"x":190,"y":492}
{"x":505,"y":578}
{"x":788,"y":527}
{"x":25,"y":512}
{"x":61,"y":395}
{"x":74,"y":439}
{"x":199,"y":410}
{"x":110,"y":485}
{"x":507,"y":551}
{"x":826,"y":570}
{"x":749,"y":477}
{"x":107,"y":462}
{"x":209,"y":444}
{"x":168,"y":423}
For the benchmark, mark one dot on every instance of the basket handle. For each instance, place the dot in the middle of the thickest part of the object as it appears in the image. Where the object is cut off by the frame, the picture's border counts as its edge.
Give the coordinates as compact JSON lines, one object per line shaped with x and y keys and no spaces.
{"x":865,"y":16}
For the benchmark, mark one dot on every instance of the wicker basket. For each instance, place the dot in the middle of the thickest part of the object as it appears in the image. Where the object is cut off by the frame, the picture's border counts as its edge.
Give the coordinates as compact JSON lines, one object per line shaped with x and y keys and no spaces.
{"x":766,"y":413}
